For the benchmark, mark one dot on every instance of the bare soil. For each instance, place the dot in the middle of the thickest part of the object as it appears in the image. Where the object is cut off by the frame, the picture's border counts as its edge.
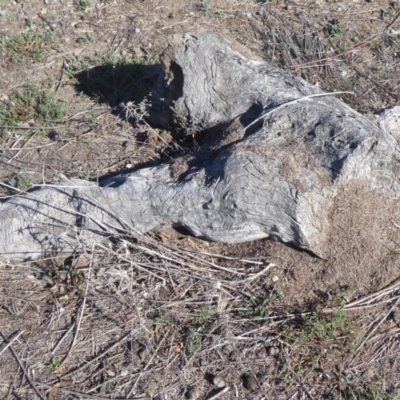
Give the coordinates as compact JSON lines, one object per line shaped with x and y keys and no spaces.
{"x":161,"y":316}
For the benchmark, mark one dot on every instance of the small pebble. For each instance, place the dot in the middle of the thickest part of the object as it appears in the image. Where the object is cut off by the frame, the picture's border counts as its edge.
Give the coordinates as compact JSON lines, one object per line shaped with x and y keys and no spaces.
{"x":218,"y":381}
{"x":272,"y":351}
{"x":193,"y":393}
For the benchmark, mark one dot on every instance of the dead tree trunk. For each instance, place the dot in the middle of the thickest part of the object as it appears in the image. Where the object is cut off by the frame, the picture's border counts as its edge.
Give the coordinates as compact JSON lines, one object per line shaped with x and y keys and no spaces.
{"x":274,"y":151}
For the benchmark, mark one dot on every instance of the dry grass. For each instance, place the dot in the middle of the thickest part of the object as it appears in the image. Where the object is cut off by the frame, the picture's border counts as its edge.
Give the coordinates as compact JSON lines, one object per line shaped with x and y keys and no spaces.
{"x":160,"y":316}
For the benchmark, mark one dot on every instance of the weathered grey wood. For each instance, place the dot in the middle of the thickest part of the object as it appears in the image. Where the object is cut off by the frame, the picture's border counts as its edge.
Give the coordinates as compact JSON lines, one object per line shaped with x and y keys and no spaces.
{"x":277,"y":177}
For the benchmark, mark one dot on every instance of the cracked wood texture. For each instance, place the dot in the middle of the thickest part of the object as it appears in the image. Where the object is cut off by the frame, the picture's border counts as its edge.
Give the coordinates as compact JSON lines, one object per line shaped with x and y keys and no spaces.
{"x":274,"y":151}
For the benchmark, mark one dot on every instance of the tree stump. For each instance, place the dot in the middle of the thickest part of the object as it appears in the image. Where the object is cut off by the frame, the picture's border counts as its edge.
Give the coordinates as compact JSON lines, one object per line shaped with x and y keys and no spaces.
{"x":275,"y":152}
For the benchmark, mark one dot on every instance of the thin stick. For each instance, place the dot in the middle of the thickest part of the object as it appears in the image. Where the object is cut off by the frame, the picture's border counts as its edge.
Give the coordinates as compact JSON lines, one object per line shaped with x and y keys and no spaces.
{"x":293,"y":102}
{"x":63,"y":338}
{"x":28,"y":148}
{"x":47,"y":128}
{"x":374,"y":296}
{"x":147,"y":365}
{"x":10,"y":187}
{"x":80,"y":394}
{"x":220,"y":393}
{"x":75,"y":370}
{"x":11,"y":341}
{"x":375,"y":328}
{"x":82,"y":310}
{"x":31,"y":383}
{"x":254,"y":276}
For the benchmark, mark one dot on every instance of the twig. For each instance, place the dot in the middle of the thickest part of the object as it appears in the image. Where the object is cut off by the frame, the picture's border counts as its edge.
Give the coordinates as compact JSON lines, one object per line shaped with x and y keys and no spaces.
{"x":28,"y":148}
{"x":11,"y":341}
{"x":31,"y":383}
{"x":393,"y":21}
{"x":63,"y":68}
{"x":147,"y":365}
{"x":82,"y":310}
{"x":47,"y":128}
{"x":254,"y":276}
{"x":80,"y":394}
{"x":63,"y":338}
{"x":43,"y":18}
{"x":220,"y":393}
{"x":169,"y":26}
{"x":11,"y":187}
{"x":265,"y":114}
{"x":374,"y":329}
{"x":374,"y":296}
{"x":75,"y":370}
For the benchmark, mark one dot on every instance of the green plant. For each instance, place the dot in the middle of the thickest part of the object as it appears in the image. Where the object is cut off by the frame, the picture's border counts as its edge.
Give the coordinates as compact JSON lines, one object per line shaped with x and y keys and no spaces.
{"x":258,"y":309}
{"x":20,"y":181}
{"x":60,"y":134}
{"x":204,"y":316}
{"x":343,"y":46}
{"x":54,"y":364}
{"x":26,"y":45}
{"x":13,"y":309}
{"x":29,"y":103}
{"x":205,"y":6}
{"x":343,"y":296}
{"x":355,"y":390}
{"x":81,"y":5}
{"x":193,"y":340}
{"x":333,"y":28}
{"x":314,"y":330}
{"x":49,"y":109}
{"x":395,"y":40}
{"x":84,"y":174}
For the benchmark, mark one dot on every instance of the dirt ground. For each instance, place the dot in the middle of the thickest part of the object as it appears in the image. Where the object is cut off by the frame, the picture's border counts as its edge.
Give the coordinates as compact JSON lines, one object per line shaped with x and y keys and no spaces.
{"x":168,"y":316}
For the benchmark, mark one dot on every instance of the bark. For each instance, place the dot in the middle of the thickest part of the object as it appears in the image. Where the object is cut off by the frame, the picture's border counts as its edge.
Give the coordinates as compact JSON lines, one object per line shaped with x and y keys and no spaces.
{"x":274,"y":151}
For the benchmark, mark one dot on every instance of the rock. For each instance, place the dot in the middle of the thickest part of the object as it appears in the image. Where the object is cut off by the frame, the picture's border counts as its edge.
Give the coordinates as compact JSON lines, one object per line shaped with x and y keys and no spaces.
{"x":218,"y":381}
{"x":193,"y":393}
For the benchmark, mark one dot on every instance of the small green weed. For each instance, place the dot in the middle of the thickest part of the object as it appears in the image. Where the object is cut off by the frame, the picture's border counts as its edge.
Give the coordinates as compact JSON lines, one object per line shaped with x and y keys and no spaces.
{"x":29,"y":103}
{"x":258,"y":309}
{"x":81,"y":5}
{"x":320,"y":327}
{"x":205,"y":6}
{"x":20,"y":181}
{"x":354,"y":390}
{"x":333,"y":28}
{"x":85,"y":173}
{"x":204,"y":316}
{"x":54,"y":364}
{"x":395,"y":40}
{"x":30,"y":45}
{"x":193,"y":340}
{"x":343,"y":46}
{"x":13,"y":309}
{"x":60,"y":134}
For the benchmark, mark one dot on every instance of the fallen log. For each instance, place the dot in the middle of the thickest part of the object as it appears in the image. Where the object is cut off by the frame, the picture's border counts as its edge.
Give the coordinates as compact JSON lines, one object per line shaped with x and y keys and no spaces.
{"x":274,"y":153}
